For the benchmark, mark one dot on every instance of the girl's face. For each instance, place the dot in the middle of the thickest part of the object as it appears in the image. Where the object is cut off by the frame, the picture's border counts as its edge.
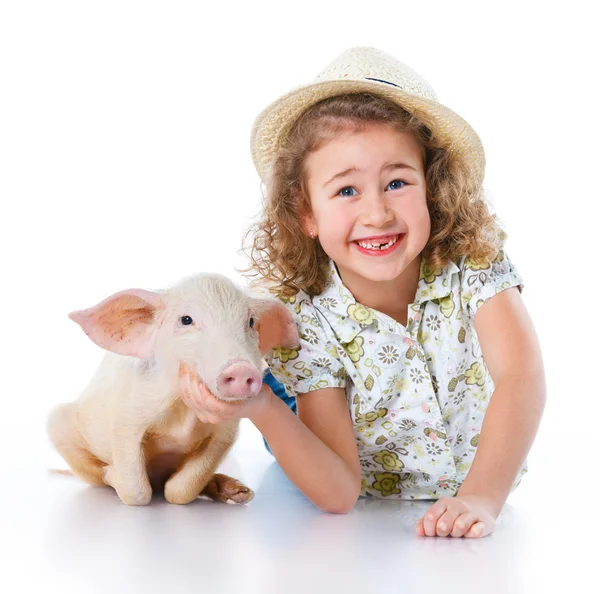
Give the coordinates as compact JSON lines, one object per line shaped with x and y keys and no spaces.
{"x":369,"y":185}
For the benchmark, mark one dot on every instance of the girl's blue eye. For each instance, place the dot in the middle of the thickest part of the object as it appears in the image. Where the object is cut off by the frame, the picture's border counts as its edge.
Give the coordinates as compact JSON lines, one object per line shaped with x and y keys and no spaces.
{"x":397,"y":181}
{"x":393,"y":185}
{"x":346,"y":188}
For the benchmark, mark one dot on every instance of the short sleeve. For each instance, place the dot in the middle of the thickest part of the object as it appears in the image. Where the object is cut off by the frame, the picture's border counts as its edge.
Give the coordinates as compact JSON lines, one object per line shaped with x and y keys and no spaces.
{"x":314,"y":364}
{"x":482,"y":280}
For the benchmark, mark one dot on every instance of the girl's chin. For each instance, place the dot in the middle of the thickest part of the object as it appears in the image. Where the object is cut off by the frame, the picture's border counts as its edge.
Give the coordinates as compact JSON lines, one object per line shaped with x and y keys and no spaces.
{"x":374,"y":273}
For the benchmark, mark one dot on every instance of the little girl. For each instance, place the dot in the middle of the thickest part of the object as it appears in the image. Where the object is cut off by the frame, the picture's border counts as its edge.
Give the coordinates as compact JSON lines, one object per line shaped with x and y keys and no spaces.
{"x":418,"y":374}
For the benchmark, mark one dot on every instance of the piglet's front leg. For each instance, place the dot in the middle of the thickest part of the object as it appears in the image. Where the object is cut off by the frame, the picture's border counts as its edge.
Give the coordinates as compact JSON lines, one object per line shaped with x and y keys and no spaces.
{"x":127,"y":474}
{"x":199,"y":467}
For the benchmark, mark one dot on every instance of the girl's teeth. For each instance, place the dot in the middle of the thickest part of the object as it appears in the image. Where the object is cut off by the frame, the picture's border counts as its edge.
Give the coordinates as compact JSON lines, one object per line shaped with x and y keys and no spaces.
{"x":371,"y":246}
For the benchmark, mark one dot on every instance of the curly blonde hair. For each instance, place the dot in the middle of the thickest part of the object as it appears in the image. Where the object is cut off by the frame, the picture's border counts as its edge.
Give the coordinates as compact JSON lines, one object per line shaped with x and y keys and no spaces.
{"x":286,"y":261}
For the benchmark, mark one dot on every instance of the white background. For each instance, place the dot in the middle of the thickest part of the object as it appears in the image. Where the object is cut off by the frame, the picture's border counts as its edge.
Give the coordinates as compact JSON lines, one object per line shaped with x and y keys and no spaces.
{"x":125,"y":162}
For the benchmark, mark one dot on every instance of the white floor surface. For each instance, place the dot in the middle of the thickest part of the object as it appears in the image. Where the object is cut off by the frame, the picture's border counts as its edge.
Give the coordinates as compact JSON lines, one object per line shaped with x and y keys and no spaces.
{"x":59,"y":535}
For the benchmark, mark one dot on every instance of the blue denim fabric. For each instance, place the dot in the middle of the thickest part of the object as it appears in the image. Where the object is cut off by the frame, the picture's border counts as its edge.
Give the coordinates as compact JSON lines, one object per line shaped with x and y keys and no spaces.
{"x":279,"y":391}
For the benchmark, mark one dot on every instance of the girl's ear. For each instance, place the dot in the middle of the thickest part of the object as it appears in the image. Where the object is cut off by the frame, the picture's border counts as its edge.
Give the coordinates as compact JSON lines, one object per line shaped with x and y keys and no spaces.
{"x":308,"y":223}
{"x":306,"y":218}
{"x":310,"y":229}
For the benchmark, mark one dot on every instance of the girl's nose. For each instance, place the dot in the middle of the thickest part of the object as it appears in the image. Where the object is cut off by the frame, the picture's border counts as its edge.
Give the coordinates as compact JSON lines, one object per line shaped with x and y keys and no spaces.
{"x":376,"y":212}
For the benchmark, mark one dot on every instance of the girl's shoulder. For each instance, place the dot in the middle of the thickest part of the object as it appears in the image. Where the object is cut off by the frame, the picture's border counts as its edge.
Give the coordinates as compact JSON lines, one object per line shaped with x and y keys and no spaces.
{"x":482,"y":279}
{"x":308,"y":317}
{"x":314,"y":363}
{"x":300,"y":306}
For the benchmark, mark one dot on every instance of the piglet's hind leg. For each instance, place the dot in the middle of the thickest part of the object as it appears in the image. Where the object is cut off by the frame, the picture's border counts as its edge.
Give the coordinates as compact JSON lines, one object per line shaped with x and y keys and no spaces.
{"x":197,"y":470}
{"x":66,"y":438}
{"x":225,"y":488}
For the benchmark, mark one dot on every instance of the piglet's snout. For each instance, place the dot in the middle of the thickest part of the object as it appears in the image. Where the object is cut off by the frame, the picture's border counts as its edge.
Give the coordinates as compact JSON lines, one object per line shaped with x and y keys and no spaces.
{"x":239,"y":380}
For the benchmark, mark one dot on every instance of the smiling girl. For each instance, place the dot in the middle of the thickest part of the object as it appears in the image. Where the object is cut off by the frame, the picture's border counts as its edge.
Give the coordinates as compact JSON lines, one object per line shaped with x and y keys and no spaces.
{"x":418,"y":374}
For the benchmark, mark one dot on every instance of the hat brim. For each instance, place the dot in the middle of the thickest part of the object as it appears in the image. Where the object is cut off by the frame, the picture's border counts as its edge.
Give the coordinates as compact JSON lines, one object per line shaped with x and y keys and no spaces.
{"x":273,"y":123}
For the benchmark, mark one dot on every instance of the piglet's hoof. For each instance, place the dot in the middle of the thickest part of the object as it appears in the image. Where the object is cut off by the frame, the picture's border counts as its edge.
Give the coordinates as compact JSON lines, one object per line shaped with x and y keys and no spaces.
{"x":224,"y":488}
{"x":135,"y":496}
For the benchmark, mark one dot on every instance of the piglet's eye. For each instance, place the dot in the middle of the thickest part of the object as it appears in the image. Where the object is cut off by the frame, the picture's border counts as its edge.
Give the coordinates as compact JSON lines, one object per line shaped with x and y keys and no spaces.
{"x":186,"y":320}
{"x":251,"y":322}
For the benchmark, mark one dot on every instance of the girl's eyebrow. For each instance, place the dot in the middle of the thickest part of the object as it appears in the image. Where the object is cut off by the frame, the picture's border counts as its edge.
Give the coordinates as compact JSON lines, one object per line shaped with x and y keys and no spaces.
{"x":384,"y":168}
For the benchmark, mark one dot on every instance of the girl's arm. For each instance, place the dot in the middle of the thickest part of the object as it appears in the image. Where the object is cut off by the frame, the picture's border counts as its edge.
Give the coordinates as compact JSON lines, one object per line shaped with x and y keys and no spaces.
{"x":512,"y":354}
{"x":316,"y":449}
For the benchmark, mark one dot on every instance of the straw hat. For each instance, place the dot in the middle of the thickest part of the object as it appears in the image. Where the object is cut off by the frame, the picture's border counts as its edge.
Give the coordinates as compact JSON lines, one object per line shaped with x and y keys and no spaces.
{"x":366,"y":69}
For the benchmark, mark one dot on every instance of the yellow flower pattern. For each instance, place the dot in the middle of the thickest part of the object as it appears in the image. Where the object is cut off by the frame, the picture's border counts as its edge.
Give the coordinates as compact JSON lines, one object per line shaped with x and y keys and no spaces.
{"x":354,"y":349}
{"x":476,"y":374}
{"x":389,"y":460}
{"x":386,"y":483}
{"x":360,"y":313}
{"x":285,"y":355}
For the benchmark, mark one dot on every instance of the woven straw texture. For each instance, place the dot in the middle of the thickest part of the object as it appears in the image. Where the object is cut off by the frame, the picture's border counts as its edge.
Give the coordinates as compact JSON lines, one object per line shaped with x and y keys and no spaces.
{"x":347,"y":74}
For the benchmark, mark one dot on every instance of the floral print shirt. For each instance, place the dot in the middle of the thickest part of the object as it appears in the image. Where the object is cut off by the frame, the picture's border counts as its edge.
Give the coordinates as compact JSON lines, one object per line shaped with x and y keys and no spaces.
{"x":417,"y":393}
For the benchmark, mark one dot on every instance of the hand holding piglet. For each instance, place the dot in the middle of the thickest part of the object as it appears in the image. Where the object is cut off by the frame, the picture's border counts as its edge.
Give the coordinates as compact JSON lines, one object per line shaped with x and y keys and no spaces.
{"x":210,"y":409}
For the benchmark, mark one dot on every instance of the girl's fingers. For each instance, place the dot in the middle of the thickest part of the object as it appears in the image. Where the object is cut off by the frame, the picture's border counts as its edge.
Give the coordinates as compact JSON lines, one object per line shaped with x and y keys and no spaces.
{"x":196,"y":393}
{"x":432,"y":516}
{"x":446,"y":522}
{"x":204,"y":396}
{"x":448,"y":517}
{"x":199,"y":398}
{"x":477,"y":530}
{"x":190,"y":389}
{"x":462,"y":524}
{"x":184,"y":384}
{"x":184,"y":381}
{"x":193,"y":383}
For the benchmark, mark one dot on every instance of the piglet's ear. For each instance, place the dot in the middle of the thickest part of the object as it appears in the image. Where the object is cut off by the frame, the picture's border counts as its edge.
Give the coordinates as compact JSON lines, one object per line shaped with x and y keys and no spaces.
{"x":276,"y":326}
{"x":125,"y":323}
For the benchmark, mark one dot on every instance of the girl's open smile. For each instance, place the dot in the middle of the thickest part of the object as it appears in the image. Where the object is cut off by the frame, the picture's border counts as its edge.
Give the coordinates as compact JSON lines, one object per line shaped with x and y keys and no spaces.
{"x":377,"y":248}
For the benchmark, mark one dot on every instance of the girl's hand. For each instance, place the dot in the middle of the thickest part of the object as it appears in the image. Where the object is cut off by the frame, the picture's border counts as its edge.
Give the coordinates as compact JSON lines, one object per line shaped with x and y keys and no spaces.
{"x":210,"y":409}
{"x":470,"y":516}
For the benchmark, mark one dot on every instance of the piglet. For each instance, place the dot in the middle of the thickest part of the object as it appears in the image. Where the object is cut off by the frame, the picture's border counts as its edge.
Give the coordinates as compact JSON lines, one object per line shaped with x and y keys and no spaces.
{"x":130,"y":429}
